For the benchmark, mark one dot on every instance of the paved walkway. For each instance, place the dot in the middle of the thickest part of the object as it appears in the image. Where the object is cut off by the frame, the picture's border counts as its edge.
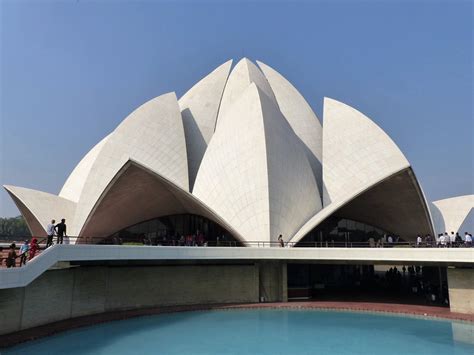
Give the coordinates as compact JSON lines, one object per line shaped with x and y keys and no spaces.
{"x":393,"y":308}
{"x":386,"y":308}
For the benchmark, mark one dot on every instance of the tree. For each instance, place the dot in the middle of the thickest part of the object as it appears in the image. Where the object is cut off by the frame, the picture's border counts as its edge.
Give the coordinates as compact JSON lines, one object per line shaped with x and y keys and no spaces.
{"x":13,"y":228}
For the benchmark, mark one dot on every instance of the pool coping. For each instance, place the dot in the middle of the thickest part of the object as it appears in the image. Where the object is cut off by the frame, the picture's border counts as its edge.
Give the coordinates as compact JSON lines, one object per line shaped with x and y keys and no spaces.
{"x":412,"y":311}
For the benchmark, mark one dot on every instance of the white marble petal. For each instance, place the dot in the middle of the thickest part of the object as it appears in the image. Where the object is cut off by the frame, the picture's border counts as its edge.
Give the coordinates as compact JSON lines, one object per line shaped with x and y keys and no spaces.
{"x":152,"y":135}
{"x":151,"y":196}
{"x":72,"y":188}
{"x":300,"y":116}
{"x":199,"y":107}
{"x":453,"y":214}
{"x":356,"y":153}
{"x":39,"y":208}
{"x":244,"y":73}
{"x":255,"y":173}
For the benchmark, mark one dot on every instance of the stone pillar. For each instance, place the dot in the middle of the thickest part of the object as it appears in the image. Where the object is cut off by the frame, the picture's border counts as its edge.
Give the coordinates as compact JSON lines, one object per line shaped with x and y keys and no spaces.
{"x":461,"y":290}
{"x":273,"y":283}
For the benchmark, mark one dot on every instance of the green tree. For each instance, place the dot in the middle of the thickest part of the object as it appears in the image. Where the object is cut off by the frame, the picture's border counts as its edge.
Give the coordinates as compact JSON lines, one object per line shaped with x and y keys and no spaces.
{"x":13,"y":228}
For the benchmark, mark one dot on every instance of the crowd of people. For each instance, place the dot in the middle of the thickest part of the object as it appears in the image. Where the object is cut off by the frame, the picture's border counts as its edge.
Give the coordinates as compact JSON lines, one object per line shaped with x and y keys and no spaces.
{"x":445,"y":240}
{"x":27,"y":252}
{"x":188,"y":240}
{"x":197,"y":239}
{"x":29,"y":249}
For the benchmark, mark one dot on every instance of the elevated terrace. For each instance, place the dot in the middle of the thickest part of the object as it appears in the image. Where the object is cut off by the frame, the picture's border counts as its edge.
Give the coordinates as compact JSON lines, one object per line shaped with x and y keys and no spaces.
{"x":20,"y":277}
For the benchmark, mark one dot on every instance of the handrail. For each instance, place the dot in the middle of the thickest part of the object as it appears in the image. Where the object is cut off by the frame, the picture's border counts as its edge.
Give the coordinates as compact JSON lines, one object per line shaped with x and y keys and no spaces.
{"x":6,"y":246}
{"x":259,"y":244}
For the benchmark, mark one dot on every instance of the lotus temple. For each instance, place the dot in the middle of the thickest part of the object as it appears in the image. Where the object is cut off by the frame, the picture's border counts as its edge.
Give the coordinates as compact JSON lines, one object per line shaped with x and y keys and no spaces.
{"x":236,"y":162}
{"x":244,"y":153}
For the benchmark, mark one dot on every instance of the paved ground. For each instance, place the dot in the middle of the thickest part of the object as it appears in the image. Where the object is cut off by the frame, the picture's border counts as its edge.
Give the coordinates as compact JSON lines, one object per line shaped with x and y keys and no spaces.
{"x":402,"y":309}
{"x":405,"y":309}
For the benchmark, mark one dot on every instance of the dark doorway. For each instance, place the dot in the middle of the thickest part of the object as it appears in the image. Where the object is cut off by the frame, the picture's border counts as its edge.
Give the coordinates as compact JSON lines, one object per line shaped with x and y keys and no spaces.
{"x":174,"y":230}
{"x":368,"y":283}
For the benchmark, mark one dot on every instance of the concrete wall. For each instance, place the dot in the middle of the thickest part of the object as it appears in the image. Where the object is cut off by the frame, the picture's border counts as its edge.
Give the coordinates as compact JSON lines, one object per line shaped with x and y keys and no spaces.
{"x":273,"y":281}
{"x":68,"y":293}
{"x":461,"y":290}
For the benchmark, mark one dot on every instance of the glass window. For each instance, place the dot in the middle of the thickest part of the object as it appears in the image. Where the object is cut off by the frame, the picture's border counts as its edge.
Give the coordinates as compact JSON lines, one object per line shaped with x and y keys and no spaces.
{"x":168,"y":230}
{"x":342,"y":230}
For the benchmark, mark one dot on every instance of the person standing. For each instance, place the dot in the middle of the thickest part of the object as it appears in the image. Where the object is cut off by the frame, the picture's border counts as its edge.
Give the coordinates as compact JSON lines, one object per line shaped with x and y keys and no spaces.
{"x":11,"y":257}
{"x":468,"y":240}
{"x":458,"y":240}
{"x":61,"y":231}
{"x":50,"y":231}
{"x":418,"y":241}
{"x":33,"y":248}
{"x":452,"y":239}
{"x":280,"y":241}
{"x":442,"y":240}
{"x":24,"y":252}
{"x":429,"y":241}
{"x":390,"y":240}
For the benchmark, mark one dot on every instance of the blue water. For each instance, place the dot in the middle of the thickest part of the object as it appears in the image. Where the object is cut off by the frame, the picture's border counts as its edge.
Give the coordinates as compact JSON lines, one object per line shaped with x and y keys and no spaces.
{"x":259,"y":332}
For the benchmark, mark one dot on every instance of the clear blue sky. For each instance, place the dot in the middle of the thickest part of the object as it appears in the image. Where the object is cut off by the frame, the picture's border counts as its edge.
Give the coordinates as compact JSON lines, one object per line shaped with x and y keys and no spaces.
{"x":72,"y":70}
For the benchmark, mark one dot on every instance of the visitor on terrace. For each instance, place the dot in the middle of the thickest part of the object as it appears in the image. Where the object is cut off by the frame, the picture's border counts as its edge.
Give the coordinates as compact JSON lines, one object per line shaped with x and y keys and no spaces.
{"x":468,"y":240}
{"x":458,"y":240}
{"x":452,"y":240}
{"x":429,"y":240}
{"x":442,"y":241}
{"x":24,"y":252}
{"x":281,"y":242}
{"x":50,"y":230}
{"x":447,"y":240}
{"x":419,"y":241}
{"x":11,"y":257}
{"x":33,"y":248}
{"x":61,"y":231}
{"x":200,"y":238}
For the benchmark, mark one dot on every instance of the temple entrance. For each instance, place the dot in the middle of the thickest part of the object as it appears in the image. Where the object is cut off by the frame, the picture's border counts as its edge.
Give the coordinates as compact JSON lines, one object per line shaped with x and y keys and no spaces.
{"x":174,"y":230}
{"x":409,"y":284}
{"x":342,"y":232}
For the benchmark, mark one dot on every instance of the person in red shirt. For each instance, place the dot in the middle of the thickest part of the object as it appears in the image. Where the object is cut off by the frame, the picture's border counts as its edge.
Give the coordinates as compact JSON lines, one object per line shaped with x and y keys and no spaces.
{"x":33,"y":248}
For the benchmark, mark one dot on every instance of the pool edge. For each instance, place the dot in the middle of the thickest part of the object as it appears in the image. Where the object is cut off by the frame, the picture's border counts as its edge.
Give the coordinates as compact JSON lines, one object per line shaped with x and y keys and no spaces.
{"x":388,"y":309}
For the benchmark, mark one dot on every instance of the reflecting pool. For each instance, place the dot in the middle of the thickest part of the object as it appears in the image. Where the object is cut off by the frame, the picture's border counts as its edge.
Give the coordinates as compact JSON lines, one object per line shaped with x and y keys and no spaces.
{"x":261,"y":331}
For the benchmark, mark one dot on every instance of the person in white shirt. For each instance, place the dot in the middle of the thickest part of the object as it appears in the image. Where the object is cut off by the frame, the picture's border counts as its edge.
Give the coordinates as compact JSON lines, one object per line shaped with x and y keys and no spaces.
{"x":446,"y":239}
{"x":468,"y":239}
{"x":452,"y":239}
{"x":442,"y":240}
{"x":418,"y":240}
{"x":51,"y":232}
{"x":24,"y":252}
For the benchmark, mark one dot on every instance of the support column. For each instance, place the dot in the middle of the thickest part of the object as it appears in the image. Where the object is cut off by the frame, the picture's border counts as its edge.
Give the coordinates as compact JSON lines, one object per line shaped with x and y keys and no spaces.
{"x":461,"y":290}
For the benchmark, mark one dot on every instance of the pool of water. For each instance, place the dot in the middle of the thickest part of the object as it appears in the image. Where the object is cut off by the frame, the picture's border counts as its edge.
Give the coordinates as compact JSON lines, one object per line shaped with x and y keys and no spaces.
{"x":261,"y":331}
